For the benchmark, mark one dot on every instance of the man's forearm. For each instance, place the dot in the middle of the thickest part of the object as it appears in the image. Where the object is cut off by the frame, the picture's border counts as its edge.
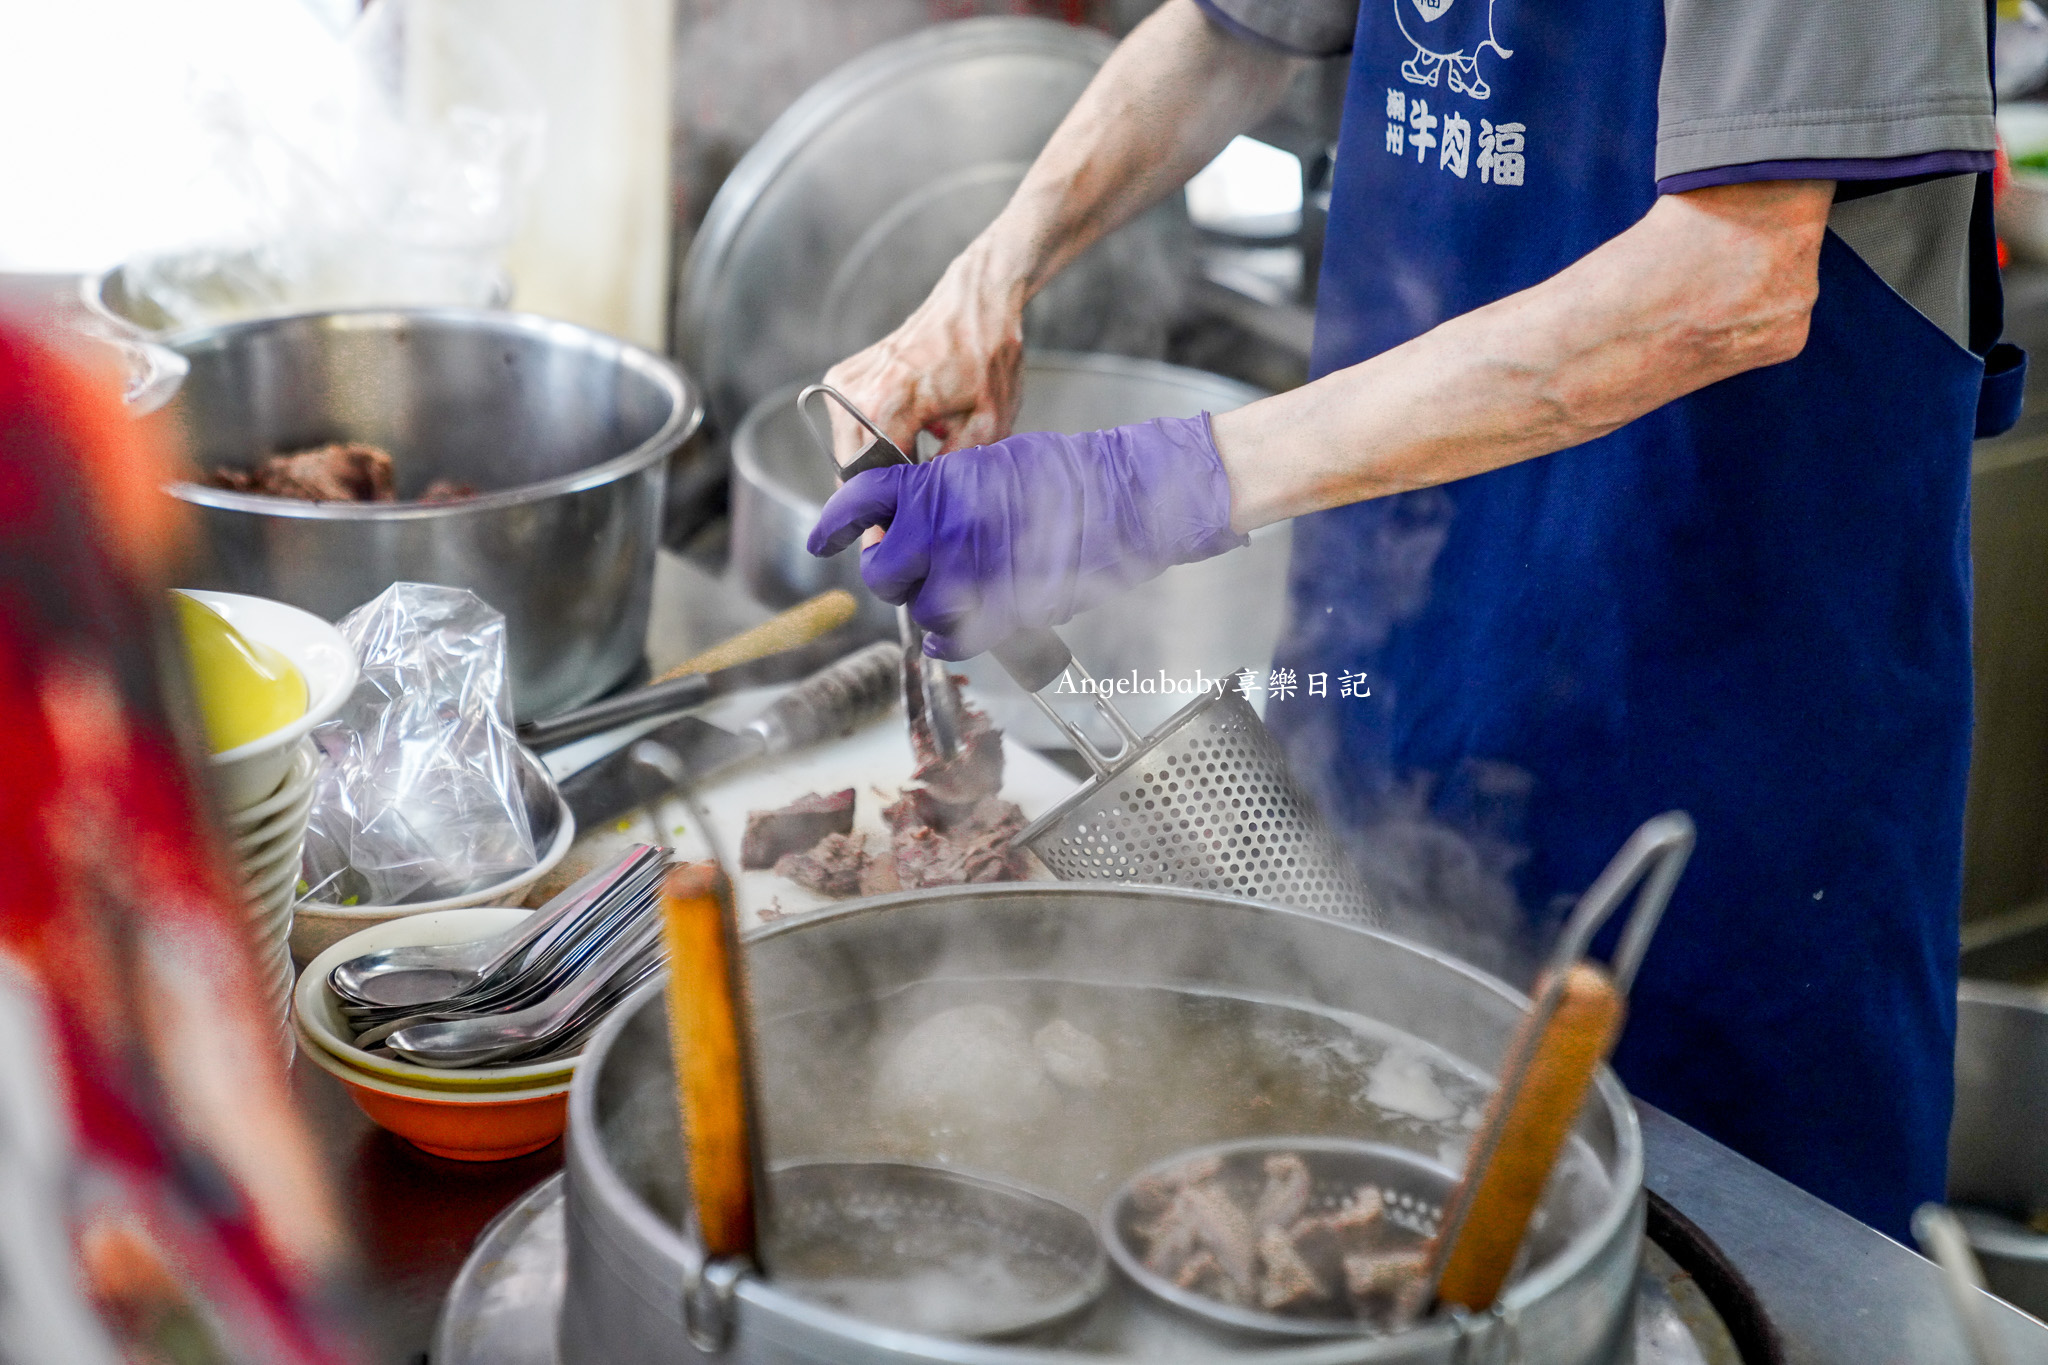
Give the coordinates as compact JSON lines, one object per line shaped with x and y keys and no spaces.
{"x":1706,"y":286}
{"x":1168,"y":100}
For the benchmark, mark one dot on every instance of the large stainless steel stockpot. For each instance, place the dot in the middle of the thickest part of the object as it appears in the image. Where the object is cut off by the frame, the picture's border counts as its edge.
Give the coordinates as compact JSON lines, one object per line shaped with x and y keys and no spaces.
{"x":1279,"y":1016}
{"x":566,"y":432}
{"x":1206,"y":618}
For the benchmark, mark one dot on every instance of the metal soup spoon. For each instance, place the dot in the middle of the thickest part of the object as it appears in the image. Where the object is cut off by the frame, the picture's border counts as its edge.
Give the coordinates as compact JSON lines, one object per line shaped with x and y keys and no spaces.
{"x":482,"y":1039}
{"x":425,"y":974}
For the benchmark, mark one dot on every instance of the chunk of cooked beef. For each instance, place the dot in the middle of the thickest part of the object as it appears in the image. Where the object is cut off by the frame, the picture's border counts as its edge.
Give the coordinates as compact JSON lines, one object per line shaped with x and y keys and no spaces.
{"x":831,"y":867}
{"x":449,"y":490}
{"x":974,"y":849}
{"x":1152,"y":1193}
{"x":1285,"y":1197}
{"x":878,"y":873}
{"x":1285,"y":1279}
{"x":913,"y":808}
{"x":1204,"y":1219}
{"x":1351,"y":1260}
{"x":795,"y":827}
{"x":1382,"y":1274}
{"x":341,"y":471}
{"x":975,"y":771}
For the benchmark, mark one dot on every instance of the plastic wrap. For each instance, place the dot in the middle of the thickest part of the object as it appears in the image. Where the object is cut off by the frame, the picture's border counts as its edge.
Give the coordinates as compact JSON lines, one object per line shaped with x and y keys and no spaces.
{"x":419,"y":793}
{"x":389,"y":164}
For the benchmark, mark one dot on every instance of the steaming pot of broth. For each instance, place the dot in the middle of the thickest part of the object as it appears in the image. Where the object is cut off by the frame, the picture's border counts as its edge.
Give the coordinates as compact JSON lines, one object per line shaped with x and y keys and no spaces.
{"x":1062,"y":1036}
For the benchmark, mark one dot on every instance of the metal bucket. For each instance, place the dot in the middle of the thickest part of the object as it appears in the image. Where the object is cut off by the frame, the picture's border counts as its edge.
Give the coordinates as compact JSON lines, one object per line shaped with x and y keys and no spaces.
{"x":1220,"y":1019}
{"x":566,"y":431}
{"x":1997,"y":1157}
{"x":1204,"y":619}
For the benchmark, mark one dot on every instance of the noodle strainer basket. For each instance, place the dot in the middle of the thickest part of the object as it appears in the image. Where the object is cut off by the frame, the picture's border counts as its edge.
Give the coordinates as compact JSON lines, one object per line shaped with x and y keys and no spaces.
{"x":929,"y":1249}
{"x":1204,"y":802}
{"x":1413,"y":1190}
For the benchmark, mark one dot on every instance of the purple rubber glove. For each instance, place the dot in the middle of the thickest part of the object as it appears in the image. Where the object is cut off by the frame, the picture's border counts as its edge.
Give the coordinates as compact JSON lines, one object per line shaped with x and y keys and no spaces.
{"x":1032,"y":530}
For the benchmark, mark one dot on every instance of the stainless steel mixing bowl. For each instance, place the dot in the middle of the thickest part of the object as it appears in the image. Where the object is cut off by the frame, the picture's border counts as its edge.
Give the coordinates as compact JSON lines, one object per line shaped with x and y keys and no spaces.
{"x":1218,"y":1019}
{"x":566,"y":431}
{"x":1209,"y":617}
{"x":1998,"y":1140}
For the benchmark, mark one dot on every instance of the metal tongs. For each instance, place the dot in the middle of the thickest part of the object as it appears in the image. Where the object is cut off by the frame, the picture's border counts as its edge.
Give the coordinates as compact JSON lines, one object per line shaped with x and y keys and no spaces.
{"x":931,"y":699}
{"x":1032,"y":658}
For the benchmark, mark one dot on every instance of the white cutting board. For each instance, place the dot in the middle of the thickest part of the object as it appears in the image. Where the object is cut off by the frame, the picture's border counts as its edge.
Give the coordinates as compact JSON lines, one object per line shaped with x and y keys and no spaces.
{"x":874,"y":760}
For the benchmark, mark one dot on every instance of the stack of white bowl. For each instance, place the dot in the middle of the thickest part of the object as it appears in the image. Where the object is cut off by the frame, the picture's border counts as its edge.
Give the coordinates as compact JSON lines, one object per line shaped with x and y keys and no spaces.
{"x":267,"y":784}
{"x":269,"y":836}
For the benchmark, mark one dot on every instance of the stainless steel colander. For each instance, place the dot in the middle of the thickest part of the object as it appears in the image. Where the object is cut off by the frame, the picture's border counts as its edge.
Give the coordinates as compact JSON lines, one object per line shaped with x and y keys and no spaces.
{"x":927,"y":1249}
{"x":1203,"y":802}
{"x":1413,"y":1190}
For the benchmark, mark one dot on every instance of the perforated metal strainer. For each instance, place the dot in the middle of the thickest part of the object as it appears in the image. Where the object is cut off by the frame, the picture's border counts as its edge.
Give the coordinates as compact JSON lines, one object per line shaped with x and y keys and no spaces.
{"x":927,"y":1249}
{"x":1412,"y":1190}
{"x":1204,"y":802}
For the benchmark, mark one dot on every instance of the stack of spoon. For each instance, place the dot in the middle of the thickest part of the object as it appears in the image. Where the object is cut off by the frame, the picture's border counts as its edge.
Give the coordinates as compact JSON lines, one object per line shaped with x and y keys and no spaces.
{"x":534,"y":992}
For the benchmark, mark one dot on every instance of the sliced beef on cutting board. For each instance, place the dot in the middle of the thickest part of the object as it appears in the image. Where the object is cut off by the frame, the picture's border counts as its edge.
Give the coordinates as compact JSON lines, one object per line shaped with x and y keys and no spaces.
{"x":974,"y":772}
{"x":972,"y":848}
{"x":833,"y":867}
{"x":795,"y":828}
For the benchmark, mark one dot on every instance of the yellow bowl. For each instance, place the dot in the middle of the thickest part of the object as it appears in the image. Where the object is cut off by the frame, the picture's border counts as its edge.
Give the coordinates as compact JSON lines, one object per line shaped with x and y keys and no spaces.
{"x":495,"y":1126}
{"x":251,"y":773}
{"x":322,"y":1023}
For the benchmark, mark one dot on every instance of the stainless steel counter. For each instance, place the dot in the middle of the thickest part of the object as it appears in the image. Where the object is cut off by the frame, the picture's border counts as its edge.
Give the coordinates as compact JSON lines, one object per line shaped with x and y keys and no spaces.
{"x":1837,"y":1292}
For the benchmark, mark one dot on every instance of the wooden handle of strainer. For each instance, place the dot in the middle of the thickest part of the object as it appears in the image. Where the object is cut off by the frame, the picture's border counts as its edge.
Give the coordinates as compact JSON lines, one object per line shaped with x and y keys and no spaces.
{"x":706,"y":1030}
{"x":806,"y":621}
{"x":1562,"y":1055}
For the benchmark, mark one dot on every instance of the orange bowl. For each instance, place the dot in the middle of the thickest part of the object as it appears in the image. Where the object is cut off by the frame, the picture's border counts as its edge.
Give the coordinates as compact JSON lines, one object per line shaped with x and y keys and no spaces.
{"x":488,"y":1126}
{"x":467,"y":1132}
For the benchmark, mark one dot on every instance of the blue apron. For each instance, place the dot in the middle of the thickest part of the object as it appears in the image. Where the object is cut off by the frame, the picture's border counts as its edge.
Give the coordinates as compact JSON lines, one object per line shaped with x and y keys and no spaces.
{"x":1751,"y":604}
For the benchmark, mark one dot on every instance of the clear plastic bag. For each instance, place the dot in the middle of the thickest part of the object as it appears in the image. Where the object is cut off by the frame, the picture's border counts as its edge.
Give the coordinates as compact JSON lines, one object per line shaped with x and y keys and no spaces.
{"x":389,"y":164}
{"x":419,"y":794}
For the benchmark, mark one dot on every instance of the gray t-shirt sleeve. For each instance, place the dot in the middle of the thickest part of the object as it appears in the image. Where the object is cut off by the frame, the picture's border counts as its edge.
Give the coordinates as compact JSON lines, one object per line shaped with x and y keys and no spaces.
{"x":1306,"y":28}
{"x":1748,"y":81}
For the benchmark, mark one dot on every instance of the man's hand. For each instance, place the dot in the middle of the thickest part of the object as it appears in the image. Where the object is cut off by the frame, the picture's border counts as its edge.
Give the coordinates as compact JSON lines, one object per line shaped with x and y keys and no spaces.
{"x":1165,"y":103}
{"x":952,"y":368}
{"x":1033,"y":529}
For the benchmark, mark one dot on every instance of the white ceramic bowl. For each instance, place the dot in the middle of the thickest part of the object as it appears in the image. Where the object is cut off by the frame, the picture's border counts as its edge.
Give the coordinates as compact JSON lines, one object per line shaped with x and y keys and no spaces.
{"x":266,"y":882}
{"x":318,"y":925}
{"x":297,"y":786}
{"x":249,"y":773}
{"x":323,"y":1025}
{"x":288,"y":824}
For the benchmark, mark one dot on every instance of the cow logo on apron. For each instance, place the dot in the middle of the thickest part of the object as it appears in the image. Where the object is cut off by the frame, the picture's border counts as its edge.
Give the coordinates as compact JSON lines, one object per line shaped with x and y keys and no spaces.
{"x":1447,"y":42}
{"x":1447,"y":36}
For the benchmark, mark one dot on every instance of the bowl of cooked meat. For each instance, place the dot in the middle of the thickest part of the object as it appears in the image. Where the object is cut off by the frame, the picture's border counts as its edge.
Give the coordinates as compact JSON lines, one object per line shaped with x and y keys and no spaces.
{"x":523,"y":458}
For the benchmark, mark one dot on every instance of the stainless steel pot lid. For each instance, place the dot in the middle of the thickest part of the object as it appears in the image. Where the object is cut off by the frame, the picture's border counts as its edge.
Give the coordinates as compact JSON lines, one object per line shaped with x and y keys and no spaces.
{"x":842,"y":217}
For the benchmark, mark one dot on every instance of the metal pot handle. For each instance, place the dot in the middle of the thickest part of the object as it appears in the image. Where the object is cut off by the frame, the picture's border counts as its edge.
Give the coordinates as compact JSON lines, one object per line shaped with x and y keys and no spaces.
{"x":709,"y":1296}
{"x":1654,"y":857}
{"x":874,"y":455}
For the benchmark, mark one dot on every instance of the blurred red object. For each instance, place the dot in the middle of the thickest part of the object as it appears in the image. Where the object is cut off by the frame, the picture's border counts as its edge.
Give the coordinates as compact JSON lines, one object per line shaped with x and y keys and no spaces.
{"x":190,"y":1196}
